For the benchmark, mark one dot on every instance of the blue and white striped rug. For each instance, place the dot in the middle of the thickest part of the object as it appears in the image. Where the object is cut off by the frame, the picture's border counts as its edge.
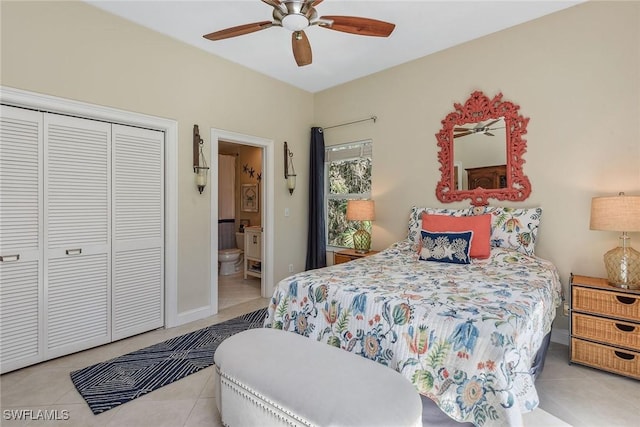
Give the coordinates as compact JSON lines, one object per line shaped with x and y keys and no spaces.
{"x":114,"y":382}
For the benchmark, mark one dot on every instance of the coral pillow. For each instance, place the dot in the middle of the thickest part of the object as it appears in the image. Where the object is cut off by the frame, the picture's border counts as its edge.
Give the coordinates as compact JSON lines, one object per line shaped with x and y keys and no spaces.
{"x":479,"y":224}
{"x":415,"y":218}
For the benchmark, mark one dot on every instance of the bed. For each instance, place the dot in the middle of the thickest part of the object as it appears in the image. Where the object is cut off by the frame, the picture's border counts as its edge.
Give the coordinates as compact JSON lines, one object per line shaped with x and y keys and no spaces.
{"x":469,"y":336}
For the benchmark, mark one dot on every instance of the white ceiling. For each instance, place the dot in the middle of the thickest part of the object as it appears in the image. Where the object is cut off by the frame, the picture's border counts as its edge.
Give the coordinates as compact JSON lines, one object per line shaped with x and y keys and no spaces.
{"x":422,"y":27}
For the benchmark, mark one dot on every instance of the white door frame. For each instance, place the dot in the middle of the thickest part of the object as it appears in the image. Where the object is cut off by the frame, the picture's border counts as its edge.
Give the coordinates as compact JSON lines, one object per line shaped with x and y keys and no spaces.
{"x":267,"y":191}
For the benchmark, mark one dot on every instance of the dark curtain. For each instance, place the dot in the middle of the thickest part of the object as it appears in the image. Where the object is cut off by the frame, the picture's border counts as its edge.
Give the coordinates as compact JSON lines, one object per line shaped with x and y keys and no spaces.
{"x":316,"y":244}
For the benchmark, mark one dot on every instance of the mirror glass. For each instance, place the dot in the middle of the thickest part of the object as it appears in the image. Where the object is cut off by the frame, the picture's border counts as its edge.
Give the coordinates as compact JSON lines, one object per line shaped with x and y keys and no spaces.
{"x":476,"y":147}
{"x":481,"y":148}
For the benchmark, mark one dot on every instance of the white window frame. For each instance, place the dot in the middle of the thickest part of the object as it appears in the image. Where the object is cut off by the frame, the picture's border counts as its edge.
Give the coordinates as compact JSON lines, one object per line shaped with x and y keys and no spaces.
{"x":347,"y":151}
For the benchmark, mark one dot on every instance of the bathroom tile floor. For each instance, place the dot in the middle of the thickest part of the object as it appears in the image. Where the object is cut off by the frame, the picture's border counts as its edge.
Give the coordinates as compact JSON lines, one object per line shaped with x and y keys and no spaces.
{"x":233,"y":289}
{"x":577,"y":395}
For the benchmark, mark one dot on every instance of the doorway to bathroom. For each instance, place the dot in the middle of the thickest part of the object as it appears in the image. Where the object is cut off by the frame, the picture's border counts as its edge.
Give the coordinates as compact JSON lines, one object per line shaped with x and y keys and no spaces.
{"x":241,"y":218}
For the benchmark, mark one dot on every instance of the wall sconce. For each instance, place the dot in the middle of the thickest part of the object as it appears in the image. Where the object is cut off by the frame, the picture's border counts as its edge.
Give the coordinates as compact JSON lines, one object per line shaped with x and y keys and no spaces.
{"x":289,"y":171}
{"x":200,"y":167}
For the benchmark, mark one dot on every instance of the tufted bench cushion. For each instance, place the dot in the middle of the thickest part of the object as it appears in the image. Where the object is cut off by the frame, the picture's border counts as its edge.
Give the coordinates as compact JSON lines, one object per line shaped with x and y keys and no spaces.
{"x":268,"y":377}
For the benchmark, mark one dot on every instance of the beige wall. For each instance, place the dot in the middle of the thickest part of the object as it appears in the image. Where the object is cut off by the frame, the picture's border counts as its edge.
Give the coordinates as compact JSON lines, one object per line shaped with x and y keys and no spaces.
{"x":73,"y":50}
{"x":575,"y":73}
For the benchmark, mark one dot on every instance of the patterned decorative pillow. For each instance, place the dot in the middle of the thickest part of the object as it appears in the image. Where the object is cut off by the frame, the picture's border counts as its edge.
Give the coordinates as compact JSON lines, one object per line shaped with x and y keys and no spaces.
{"x":453,"y":248}
{"x":513,"y":228}
{"x":415,"y":219}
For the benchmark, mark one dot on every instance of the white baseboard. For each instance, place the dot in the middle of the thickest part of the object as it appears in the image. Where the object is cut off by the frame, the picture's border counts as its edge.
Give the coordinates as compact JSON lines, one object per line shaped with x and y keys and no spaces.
{"x":560,"y":336}
{"x":193,"y":315}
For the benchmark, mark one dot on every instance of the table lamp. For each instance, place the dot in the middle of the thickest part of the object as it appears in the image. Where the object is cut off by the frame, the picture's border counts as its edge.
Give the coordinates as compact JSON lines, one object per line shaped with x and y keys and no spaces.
{"x":361,"y":210}
{"x":619,"y":213}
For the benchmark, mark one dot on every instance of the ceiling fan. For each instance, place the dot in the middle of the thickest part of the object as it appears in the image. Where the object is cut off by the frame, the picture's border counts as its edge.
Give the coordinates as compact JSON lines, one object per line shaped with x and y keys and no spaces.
{"x":479,"y":128}
{"x":296,"y":16}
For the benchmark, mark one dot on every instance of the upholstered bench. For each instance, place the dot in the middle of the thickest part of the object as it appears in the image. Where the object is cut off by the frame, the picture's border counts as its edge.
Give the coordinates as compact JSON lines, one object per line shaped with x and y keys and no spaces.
{"x":268,"y":377}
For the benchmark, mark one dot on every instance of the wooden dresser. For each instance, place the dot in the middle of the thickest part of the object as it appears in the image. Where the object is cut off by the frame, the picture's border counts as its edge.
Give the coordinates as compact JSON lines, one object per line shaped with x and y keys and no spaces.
{"x":349,"y":255}
{"x":488,"y":177}
{"x":605,"y":326}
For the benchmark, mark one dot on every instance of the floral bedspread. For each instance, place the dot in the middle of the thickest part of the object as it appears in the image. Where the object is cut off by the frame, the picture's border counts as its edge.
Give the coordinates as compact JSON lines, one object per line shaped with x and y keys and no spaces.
{"x":464,"y":335}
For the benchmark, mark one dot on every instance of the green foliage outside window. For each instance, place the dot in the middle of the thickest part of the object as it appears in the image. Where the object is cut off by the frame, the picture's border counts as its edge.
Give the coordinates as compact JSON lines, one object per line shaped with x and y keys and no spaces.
{"x":348,"y":179}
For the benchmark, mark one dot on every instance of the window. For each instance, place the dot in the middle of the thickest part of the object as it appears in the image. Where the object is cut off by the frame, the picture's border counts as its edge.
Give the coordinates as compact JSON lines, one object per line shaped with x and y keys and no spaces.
{"x":348,"y":176}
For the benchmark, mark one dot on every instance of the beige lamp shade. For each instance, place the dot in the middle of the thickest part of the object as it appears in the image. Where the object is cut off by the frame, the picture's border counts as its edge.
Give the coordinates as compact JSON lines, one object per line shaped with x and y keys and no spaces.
{"x":361,"y":210}
{"x":615,"y":213}
{"x":619,"y":213}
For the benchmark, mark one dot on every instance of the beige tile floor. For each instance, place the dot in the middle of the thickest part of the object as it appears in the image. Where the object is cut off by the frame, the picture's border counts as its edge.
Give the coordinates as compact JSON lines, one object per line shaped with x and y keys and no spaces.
{"x":578,"y":395}
{"x":233,"y":289}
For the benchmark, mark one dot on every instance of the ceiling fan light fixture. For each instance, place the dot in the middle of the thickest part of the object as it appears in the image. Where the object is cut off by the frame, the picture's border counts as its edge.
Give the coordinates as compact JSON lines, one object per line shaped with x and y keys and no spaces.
{"x":295,"y":22}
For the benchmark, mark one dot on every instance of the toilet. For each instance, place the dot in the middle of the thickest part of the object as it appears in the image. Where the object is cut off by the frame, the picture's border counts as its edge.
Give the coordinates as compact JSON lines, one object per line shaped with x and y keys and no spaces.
{"x":231,"y":259}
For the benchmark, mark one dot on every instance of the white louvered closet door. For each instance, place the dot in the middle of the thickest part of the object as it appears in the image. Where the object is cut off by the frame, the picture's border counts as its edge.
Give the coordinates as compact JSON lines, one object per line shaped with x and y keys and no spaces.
{"x":78,"y":233}
{"x":21,"y":247}
{"x":138,"y":231}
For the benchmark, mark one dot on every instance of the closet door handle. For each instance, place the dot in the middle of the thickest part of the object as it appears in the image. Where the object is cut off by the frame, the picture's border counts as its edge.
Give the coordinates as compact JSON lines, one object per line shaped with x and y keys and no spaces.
{"x":6,"y":258}
{"x":73,"y":251}
{"x":255,"y":240}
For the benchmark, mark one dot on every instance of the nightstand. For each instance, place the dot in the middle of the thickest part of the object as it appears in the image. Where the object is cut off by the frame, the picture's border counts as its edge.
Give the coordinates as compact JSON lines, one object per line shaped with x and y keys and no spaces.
{"x":605,"y":326}
{"x":349,"y":255}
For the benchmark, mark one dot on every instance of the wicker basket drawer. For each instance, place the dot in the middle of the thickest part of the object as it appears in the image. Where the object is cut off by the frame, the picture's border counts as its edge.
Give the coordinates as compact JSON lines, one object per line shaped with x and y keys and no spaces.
{"x":606,"y":303}
{"x":623,"y":362}
{"x":609,"y":331}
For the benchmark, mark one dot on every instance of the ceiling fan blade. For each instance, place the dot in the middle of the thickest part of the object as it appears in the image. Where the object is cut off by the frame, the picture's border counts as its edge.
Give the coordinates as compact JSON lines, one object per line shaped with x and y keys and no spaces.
{"x":315,"y":3}
{"x":301,"y":48}
{"x":463,"y":134}
{"x":238,"y":31}
{"x":490,"y":123}
{"x":276,"y":4}
{"x":461,"y":129}
{"x":356,"y":25}
{"x":489,"y":133}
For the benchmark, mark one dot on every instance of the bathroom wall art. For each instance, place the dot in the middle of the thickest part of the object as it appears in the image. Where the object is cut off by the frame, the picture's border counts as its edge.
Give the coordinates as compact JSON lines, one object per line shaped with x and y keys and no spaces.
{"x":249,"y":198}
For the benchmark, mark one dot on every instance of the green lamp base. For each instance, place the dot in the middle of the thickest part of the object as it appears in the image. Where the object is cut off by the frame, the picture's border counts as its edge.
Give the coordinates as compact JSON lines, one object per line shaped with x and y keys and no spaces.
{"x":361,"y":241}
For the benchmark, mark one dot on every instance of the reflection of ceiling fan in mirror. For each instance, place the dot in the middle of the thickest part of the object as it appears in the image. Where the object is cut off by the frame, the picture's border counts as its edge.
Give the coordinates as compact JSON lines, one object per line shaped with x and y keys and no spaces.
{"x":479,"y":128}
{"x":296,"y":16}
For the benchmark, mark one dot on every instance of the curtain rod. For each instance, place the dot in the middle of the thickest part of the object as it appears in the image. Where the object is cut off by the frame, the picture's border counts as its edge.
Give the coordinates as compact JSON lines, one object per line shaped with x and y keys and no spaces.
{"x":374,"y":118}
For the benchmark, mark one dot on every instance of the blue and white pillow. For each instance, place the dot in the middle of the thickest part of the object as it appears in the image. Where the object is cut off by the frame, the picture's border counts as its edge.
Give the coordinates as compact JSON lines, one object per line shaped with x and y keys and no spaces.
{"x":448,"y":247}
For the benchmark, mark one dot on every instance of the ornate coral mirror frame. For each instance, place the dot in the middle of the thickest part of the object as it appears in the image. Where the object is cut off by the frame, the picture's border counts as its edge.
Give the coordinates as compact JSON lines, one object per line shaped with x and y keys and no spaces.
{"x":479,"y":121}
